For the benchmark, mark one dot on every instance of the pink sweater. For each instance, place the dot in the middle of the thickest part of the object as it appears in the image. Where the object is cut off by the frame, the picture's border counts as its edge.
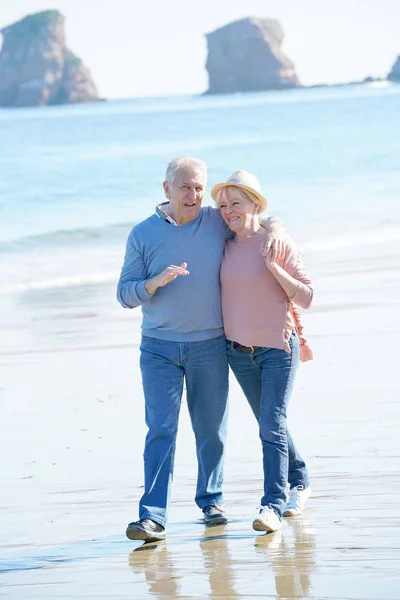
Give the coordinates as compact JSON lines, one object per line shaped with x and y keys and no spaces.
{"x":255,"y":308}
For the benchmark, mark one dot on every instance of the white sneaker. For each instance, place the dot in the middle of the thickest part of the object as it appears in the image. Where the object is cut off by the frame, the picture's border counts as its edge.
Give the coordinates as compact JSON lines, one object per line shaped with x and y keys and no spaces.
{"x":267,"y":520}
{"x":298,"y":497}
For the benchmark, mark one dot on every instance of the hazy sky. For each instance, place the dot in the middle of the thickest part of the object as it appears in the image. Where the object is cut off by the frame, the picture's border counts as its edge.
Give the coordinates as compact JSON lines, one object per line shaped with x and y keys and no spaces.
{"x":145,"y":48}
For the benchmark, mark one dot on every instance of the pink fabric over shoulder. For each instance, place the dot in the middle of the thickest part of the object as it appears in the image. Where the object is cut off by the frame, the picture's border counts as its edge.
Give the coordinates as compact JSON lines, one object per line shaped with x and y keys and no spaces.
{"x":305,"y":350}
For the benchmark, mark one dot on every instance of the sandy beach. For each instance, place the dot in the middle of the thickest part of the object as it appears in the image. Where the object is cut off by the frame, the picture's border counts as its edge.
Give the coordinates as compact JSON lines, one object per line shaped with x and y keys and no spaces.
{"x":72,"y":431}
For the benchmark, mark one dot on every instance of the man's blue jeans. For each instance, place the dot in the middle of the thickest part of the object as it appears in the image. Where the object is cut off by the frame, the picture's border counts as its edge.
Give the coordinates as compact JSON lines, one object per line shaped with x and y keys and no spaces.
{"x":266,"y":378}
{"x":165,"y":365}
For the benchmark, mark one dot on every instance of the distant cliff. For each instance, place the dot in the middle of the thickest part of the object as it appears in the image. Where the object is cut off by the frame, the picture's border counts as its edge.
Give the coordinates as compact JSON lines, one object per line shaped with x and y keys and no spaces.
{"x":394,"y":74}
{"x":37,"y":68}
{"x":246,"y":56}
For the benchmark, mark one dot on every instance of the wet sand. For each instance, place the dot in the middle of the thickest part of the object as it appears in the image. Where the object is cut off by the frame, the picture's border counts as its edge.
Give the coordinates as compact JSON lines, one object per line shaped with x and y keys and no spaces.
{"x":71,"y":439}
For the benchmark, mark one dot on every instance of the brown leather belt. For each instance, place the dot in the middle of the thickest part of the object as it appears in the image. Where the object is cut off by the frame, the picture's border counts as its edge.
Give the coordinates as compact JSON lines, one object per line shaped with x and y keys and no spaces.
{"x":245,"y":349}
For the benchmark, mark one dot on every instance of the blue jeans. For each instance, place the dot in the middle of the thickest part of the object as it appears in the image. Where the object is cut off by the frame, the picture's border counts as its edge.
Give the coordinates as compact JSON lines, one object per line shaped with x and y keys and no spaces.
{"x":165,"y":365}
{"x":266,"y":378}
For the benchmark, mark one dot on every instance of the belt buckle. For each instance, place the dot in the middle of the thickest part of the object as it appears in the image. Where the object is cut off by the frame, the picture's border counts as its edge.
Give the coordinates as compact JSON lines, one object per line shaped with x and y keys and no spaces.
{"x":244,"y":349}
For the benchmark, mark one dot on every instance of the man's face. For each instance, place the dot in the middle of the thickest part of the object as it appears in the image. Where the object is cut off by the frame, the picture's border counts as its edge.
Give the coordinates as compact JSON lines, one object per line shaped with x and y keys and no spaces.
{"x":186,"y":194}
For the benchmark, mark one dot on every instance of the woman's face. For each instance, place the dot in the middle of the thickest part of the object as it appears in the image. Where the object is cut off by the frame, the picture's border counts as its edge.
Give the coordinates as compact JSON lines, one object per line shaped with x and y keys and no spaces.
{"x":240,"y":214}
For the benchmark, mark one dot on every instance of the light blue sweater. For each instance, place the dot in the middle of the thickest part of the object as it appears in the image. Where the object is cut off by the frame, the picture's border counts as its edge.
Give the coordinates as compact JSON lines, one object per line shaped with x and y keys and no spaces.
{"x":189,"y":308}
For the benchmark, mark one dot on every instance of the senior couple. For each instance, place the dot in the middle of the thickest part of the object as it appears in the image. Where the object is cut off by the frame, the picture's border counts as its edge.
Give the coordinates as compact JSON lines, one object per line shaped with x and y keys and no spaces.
{"x":216,"y":286}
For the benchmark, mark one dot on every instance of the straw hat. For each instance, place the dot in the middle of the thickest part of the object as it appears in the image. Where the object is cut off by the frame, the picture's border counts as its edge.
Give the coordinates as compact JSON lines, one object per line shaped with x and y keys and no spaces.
{"x":245,"y":181}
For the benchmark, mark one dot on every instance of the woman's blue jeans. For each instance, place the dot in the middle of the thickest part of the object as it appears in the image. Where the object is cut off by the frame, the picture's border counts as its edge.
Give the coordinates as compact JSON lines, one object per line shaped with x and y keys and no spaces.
{"x":266,"y":377}
{"x":165,"y":365}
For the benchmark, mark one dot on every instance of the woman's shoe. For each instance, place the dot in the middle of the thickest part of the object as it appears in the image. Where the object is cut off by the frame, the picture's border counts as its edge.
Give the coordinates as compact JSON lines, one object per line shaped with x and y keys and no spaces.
{"x":298,"y":497}
{"x":267,"y":520}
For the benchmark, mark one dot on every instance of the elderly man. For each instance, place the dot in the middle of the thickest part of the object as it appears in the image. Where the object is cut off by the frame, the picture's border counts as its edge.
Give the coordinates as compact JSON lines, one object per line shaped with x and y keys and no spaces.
{"x":171,"y":269}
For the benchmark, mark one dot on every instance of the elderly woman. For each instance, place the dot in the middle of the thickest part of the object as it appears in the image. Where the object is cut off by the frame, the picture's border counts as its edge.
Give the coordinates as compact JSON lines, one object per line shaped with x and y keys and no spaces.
{"x":265,"y":341}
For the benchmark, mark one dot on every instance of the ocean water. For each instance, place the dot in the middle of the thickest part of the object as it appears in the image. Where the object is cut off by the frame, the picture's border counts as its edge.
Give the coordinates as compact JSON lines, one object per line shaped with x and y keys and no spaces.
{"x":73,"y":179}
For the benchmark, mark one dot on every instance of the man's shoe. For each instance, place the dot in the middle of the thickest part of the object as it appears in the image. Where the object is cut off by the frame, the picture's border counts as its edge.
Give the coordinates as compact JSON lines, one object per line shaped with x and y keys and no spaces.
{"x":214,"y":515}
{"x":146,"y":530}
{"x":298,"y":496}
{"x":267,"y":520}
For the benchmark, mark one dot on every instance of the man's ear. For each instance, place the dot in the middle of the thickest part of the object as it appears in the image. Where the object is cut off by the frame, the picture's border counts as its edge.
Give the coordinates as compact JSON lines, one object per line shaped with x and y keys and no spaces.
{"x":167,"y":190}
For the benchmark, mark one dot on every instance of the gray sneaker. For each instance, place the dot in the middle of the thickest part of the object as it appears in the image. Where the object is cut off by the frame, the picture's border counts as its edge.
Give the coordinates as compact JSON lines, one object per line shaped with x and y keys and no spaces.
{"x":214,"y":515}
{"x":145,"y":529}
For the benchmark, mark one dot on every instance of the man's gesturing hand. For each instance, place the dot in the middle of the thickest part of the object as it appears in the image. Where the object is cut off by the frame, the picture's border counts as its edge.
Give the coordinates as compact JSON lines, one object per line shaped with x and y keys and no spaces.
{"x":166,"y":276}
{"x":275,"y":242}
{"x":171,"y":273}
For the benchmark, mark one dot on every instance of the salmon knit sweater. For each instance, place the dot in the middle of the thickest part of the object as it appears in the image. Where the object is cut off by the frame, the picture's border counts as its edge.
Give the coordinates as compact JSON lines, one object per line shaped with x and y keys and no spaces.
{"x":255,"y":308}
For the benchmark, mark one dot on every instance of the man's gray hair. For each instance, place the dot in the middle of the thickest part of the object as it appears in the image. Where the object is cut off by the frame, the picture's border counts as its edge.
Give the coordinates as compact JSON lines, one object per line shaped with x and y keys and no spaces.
{"x":180,"y":162}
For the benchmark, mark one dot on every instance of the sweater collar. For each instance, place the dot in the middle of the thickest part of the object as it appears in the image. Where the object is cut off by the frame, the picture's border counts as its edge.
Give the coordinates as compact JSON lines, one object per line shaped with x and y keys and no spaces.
{"x":161,"y":211}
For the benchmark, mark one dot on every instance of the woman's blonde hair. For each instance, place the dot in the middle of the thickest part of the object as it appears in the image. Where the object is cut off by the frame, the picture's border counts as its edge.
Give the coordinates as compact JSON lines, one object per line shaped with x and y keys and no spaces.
{"x":237,"y":193}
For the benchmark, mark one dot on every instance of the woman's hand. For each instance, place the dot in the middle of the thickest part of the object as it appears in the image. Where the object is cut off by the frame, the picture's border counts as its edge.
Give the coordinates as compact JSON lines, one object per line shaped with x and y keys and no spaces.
{"x":166,"y":276}
{"x":274,"y":242}
{"x":268,"y":257}
{"x":289,"y":284}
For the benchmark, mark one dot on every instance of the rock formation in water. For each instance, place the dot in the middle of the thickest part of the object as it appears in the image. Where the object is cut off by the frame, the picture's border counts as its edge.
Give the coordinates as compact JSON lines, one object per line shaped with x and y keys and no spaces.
{"x":246,"y":56}
{"x":394,"y":74}
{"x":37,"y":68}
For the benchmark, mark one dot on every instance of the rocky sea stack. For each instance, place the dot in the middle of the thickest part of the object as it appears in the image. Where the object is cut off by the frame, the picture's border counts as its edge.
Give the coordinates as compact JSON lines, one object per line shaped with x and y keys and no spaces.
{"x":246,"y":56}
{"x":37,"y":68}
{"x":394,"y":74}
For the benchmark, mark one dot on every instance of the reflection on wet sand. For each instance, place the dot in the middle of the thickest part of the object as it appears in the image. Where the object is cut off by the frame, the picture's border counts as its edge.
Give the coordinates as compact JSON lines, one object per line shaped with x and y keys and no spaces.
{"x":155,"y":561}
{"x":288,"y":554}
{"x":292,"y":562}
{"x":218,"y":563}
